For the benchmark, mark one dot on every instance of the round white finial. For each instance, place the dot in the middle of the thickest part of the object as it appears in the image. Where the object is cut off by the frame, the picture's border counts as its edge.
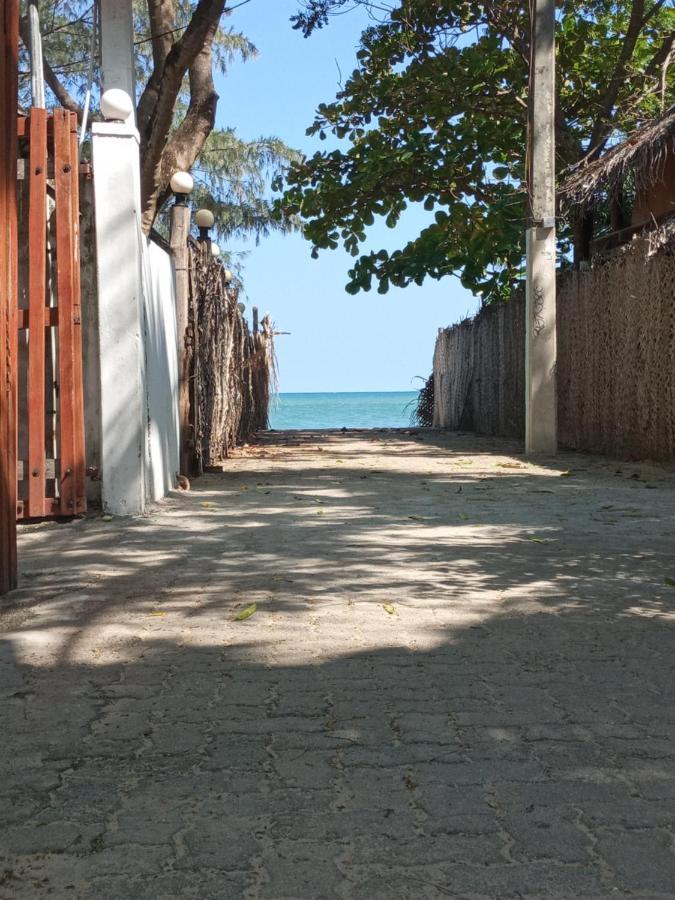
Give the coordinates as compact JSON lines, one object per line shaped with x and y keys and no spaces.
{"x":215,"y":250}
{"x":204,"y":218}
{"x":116,"y":105}
{"x":228,"y":276}
{"x":181,"y":182}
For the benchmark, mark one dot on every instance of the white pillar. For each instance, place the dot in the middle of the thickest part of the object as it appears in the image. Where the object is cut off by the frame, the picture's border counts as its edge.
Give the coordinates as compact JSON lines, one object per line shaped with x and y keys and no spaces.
{"x":119,"y":268}
{"x":540,"y":377}
{"x":117,"y":47}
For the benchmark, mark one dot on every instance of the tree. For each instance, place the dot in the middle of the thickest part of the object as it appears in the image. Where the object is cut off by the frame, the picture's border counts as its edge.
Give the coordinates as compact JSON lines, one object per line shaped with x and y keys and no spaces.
{"x":436,"y":114}
{"x":179,"y":45}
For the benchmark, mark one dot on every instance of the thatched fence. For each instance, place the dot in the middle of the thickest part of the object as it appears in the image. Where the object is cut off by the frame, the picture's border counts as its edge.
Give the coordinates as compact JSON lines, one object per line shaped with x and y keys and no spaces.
{"x":616,"y":358}
{"x":233,"y":368}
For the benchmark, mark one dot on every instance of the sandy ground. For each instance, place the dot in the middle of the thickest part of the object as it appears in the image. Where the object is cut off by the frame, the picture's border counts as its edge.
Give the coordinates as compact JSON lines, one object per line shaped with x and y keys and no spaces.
{"x":458,"y":682}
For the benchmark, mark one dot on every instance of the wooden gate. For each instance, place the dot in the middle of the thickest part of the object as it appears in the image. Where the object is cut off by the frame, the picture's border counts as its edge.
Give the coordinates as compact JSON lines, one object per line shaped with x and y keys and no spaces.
{"x":51,"y":467}
{"x":9,"y":67}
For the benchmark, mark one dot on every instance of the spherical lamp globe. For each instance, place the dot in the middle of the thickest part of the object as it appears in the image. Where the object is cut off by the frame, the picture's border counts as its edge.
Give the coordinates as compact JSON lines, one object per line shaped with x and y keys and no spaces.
{"x":116,"y":105}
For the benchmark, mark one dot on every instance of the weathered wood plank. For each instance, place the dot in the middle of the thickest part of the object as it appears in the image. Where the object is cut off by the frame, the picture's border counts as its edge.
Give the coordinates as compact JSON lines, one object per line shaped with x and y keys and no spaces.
{"x":9,"y":64}
{"x":79,"y":466}
{"x":37,"y":291}
{"x":64,"y":286}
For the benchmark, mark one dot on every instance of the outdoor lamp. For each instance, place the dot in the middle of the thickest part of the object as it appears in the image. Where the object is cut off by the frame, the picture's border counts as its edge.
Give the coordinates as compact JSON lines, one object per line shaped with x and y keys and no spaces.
{"x":181,"y":184}
{"x":228,"y":276}
{"x":116,"y":105}
{"x":215,"y":250}
{"x":204,"y":220}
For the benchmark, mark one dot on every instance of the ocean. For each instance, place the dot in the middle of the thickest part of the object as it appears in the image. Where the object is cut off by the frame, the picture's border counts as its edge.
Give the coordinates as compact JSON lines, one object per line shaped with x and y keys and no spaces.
{"x":359,"y":409}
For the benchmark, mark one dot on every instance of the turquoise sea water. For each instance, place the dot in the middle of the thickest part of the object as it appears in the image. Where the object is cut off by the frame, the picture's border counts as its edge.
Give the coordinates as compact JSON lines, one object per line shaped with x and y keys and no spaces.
{"x":362,"y":409}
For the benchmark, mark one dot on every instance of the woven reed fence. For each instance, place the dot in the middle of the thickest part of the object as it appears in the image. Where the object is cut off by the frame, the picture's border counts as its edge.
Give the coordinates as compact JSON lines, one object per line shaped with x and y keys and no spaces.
{"x":616,"y":359}
{"x":233,"y":369}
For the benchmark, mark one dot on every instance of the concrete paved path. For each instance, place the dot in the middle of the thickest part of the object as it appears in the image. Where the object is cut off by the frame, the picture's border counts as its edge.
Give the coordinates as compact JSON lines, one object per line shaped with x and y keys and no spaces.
{"x":458,"y":683}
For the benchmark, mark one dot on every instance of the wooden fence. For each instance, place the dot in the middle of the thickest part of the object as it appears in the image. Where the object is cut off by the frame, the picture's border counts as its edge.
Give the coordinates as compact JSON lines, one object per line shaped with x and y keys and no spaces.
{"x":9,"y":66}
{"x":51,"y":468}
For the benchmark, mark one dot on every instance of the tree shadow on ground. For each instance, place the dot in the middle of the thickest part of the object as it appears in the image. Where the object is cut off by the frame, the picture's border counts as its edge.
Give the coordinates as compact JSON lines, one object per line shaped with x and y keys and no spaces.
{"x":506,"y":731}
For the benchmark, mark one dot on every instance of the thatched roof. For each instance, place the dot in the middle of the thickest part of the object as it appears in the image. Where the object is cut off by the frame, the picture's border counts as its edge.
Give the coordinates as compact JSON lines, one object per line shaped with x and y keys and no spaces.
{"x":643,"y":153}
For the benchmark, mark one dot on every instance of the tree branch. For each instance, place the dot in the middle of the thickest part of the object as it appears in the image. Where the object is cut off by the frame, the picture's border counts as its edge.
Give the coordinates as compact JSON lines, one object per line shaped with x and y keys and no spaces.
{"x":162,"y":17}
{"x":157,"y":104}
{"x":188,"y":139}
{"x":602,"y":127}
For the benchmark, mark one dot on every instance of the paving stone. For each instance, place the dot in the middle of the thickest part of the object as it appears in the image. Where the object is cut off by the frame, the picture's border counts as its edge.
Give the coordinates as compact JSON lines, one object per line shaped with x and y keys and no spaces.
{"x":642,"y":860}
{"x":503,"y":735}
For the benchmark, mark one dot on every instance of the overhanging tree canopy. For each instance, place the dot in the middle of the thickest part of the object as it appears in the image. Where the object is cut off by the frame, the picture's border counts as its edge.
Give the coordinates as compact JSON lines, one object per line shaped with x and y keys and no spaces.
{"x":179,"y":45}
{"x":436,"y":114}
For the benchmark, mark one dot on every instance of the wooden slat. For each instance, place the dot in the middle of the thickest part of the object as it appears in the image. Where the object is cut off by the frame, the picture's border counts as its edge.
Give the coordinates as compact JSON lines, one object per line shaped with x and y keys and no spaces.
{"x":64,"y":287}
{"x":37,"y":292}
{"x":9,"y":64}
{"x":79,"y":467}
{"x":50,"y":505}
{"x":51,"y":317}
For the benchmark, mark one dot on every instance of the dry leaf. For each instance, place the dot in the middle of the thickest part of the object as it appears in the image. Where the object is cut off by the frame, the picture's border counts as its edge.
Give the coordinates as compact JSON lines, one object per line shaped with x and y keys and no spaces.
{"x":207,"y":504}
{"x":157,"y":612}
{"x":388,"y":608}
{"x":510,"y":465}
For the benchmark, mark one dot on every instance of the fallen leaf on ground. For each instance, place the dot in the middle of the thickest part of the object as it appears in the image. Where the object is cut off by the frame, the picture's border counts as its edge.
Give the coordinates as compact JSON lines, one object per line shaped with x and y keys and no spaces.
{"x":416,"y":518}
{"x":535,"y":539}
{"x":510,"y":465}
{"x":669,"y":582}
{"x":157,"y":612}
{"x":319,"y":512}
{"x":106,"y":518}
{"x":388,"y":608}
{"x":207,"y":504}
{"x":246,"y":613}
{"x":566,"y":474}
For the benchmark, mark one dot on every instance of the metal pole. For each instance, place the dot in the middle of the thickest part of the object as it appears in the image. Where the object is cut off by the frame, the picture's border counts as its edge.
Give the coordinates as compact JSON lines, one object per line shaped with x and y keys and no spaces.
{"x":540,"y":376}
{"x":37,"y":74}
{"x":178,"y":242}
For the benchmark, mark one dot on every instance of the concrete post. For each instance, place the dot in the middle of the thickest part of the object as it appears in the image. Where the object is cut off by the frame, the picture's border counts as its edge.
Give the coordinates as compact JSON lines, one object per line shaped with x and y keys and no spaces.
{"x":119,"y":268}
{"x":180,"y":231}
{"x":117,"y":48}
{"x":540,"y":377}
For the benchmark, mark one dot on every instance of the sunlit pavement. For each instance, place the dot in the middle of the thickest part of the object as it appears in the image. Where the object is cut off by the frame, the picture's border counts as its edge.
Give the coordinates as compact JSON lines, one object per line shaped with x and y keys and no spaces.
{"x":457,"y":682}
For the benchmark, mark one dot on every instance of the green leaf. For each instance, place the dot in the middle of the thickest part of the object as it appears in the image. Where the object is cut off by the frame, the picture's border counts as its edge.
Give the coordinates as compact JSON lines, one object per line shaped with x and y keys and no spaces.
{"x":669,"y":582}
{"x":246,"y":613}
{"x":388,"y":608}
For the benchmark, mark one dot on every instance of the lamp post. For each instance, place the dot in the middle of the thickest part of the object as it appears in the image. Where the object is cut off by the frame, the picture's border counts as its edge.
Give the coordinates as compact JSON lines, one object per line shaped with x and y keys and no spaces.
{"x":181,"y":184}
{"x":204,"y":220}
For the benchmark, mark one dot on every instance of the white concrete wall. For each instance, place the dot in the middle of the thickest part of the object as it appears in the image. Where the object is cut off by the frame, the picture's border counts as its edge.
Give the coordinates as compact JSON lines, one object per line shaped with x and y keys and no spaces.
{"x":161,"y":372}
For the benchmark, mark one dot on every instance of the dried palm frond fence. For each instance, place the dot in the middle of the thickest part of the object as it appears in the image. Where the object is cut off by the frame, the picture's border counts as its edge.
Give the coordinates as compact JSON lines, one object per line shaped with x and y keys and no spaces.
{"x":233,"y":369}
{"x":616,"y":358}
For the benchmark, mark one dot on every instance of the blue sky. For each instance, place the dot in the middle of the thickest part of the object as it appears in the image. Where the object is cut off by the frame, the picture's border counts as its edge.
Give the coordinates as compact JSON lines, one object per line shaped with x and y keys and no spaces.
{"x":337,"y":342}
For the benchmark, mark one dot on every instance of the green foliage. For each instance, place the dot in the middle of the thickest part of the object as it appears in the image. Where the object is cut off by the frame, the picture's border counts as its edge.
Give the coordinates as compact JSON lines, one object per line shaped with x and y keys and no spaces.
{"x":435,"y":114}
{"x":232,"y":176}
